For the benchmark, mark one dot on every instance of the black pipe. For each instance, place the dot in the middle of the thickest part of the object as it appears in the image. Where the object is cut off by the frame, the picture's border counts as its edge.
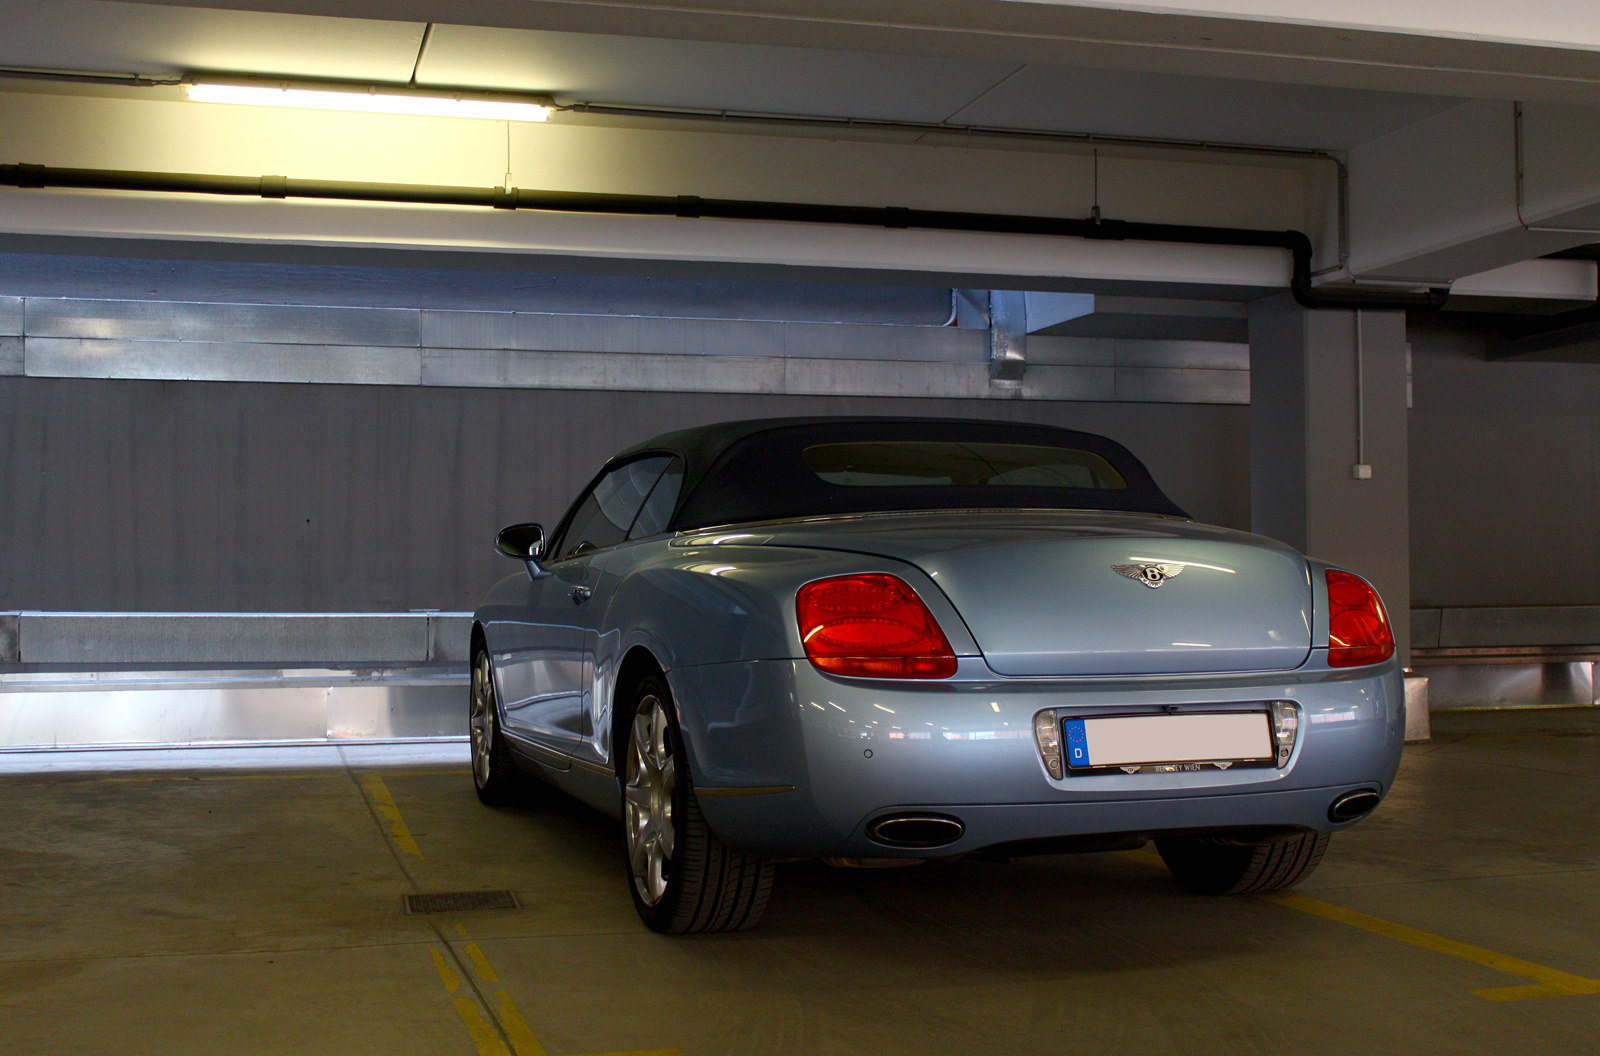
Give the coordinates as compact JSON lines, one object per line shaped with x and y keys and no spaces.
{"x":123,"y":80}
{"x":1295,"y":242}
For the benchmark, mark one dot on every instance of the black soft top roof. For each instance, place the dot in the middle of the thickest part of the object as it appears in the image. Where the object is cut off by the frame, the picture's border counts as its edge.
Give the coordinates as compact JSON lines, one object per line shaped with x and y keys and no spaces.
{"x":735,"y":472}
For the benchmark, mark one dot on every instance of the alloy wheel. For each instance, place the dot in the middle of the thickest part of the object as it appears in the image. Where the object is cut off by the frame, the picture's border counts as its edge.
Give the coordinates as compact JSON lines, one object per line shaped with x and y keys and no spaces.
{"x":647,"y":798}
{"x":481,"y":719}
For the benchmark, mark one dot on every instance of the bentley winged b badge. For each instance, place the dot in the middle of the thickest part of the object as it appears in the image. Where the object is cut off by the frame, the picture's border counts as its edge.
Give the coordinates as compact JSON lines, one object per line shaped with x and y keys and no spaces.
{"x":1152,"y":576}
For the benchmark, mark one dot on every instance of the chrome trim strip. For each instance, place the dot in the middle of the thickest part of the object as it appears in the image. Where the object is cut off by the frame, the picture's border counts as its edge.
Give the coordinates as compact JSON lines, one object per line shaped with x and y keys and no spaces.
{"x":555,"y":757}
{"x":593,"y":768}
{"x":541,"y":753}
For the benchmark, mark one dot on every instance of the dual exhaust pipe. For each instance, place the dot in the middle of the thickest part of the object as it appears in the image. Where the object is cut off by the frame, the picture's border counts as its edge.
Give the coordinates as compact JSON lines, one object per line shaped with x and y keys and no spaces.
{"x":915,"y":830}
{"x":1353,"y":806}
{"x":924,"y":831}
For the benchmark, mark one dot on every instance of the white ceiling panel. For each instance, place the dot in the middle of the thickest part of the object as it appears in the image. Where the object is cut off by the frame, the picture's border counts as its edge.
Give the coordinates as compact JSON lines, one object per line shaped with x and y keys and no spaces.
{"x":644,"y":71}
{"x":1178,"y":107}
{"x":166,"y":40}
{"x":144,"y":38}
{"x":647,"y":71}
{"x":1526,"y":22}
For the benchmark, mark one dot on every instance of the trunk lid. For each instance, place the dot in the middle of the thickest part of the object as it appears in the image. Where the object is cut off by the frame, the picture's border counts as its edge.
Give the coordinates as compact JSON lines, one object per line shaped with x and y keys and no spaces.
{"x":1067,"y":594}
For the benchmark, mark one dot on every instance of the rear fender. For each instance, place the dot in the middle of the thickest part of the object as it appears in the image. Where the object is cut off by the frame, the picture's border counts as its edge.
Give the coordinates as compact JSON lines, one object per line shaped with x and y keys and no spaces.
{"x":727,"y":604}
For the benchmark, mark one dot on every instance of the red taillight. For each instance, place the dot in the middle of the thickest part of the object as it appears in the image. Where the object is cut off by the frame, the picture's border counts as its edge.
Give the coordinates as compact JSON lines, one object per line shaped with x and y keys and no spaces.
{"x":1358,"y":629}
{"x":871,"y":626}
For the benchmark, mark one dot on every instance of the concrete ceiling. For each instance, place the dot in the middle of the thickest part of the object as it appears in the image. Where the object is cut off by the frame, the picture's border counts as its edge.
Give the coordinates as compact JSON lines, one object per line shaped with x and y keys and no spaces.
{"x":635,"y":70}
{"x":1535,"y":50}
{"x":1418,"y":95}
{"x":767,"y":78}
{"x":700,"y":74}
{"x":1181,"y":107}
{"x":164,"y":41}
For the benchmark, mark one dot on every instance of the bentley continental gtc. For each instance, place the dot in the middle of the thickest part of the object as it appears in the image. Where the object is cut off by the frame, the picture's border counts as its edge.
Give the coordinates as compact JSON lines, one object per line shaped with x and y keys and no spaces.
{"x":864,"y":639}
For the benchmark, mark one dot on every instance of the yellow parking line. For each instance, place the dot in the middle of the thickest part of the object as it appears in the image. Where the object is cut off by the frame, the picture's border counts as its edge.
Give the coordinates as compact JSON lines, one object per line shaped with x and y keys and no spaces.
{"x":1549,"y":982}
{"x":523,"y":1043}
{"x":480,"y":963}
{"x":510,"y":1019}
{"x":385,"y":805}
{"x":523,"y":1040}
{"x":483,"y":1035}
{"x":506,"y":1014}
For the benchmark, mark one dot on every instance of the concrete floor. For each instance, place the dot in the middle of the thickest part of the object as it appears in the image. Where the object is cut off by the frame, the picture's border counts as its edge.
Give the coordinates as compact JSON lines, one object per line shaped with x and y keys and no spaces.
{"x":260,"y":912}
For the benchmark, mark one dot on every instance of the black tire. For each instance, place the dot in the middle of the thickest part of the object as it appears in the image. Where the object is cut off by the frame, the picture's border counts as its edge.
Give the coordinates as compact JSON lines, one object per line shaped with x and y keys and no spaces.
{"x":694,"y":883}
{"x":495,"y":775}
{"x":1214,"y":867}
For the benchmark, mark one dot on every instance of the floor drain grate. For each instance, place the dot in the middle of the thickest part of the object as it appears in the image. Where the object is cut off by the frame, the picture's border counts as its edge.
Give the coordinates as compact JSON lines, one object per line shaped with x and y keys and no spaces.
{"x":460,"y":901}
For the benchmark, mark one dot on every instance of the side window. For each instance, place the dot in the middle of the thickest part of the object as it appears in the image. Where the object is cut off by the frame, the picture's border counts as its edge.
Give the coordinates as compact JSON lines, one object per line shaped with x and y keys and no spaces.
{"x":602,"y":519}
{"x":656,"y":512}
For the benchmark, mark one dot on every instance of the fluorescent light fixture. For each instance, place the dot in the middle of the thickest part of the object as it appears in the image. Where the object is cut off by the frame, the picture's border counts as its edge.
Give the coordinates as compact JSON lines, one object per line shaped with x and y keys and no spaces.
{"x":373,"y":99}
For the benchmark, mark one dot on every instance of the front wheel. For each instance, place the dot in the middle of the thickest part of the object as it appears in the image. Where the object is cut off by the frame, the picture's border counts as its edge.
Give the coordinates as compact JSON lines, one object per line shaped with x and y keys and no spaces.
{"x":494,"y":772}
{"x":682,"y":877}
{"x":1215,"y":867}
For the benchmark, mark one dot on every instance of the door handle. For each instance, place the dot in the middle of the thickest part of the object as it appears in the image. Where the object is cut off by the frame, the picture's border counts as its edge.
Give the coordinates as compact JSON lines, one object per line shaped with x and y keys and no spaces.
{"x":579,"y":595}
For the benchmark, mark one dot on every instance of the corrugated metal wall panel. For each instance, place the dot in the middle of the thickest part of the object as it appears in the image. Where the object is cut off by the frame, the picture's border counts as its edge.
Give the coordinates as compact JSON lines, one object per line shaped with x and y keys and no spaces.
{"x":200,"y":496}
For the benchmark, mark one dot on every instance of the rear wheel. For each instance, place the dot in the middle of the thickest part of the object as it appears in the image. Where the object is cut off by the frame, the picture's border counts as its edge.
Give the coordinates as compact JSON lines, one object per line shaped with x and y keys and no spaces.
{"x":494,"y":772}
{"x":1214,"y":867}
{"x":682,"y":877}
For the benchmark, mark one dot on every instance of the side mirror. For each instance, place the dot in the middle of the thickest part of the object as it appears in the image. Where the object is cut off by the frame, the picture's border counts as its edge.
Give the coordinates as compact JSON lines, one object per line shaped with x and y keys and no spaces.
{"x":525,"y":543}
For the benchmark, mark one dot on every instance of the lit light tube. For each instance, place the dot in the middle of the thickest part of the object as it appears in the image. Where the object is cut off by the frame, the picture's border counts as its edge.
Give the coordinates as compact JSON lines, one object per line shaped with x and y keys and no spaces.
{"x":371,"y":100}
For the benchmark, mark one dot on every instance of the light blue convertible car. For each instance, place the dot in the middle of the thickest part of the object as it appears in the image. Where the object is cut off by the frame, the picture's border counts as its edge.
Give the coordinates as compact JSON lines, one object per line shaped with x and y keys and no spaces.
{"x":864,"y":639}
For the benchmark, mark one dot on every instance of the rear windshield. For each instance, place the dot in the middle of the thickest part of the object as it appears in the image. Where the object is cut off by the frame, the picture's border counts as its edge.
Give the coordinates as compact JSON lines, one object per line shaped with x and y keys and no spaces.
{"x":863,"y":465}
{"x":904,"y":463}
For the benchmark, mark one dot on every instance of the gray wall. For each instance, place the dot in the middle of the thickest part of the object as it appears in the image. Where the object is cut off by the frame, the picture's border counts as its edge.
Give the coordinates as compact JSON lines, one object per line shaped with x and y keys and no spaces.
{"x":1304,"y":440}
{"x":1505,"y":475}
{"x":174,"y":496}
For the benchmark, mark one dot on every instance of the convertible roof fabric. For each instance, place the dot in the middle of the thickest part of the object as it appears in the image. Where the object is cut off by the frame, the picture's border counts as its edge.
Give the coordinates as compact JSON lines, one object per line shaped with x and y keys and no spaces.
{"x":738,"y":472}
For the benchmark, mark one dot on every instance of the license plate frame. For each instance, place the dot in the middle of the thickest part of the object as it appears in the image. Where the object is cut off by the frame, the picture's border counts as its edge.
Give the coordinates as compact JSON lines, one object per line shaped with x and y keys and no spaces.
{"x":1149,"y":742}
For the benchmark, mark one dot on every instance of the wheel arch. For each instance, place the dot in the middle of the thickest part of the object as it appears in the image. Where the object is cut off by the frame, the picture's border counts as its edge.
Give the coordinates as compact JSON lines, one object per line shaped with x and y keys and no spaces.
{"x":479,"y":639}
{"x":637,"y":664}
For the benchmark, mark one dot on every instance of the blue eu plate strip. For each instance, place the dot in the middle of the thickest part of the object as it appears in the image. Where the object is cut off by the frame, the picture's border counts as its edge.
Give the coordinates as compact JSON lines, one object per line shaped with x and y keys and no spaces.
{"x":1077,"y":743}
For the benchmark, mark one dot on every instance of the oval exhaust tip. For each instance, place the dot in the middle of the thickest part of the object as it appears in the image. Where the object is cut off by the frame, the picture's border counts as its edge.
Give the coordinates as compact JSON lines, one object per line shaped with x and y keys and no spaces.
{"x":1353,"y":805}
{"x":915,"y":830}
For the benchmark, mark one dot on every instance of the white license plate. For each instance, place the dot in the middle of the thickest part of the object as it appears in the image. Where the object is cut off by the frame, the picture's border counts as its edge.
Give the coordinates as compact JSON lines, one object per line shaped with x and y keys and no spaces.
{"x":1139,"y":740}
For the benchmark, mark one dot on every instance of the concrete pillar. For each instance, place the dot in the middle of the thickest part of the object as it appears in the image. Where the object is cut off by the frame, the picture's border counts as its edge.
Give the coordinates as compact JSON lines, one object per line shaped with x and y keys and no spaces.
{"x":1309,"y":432}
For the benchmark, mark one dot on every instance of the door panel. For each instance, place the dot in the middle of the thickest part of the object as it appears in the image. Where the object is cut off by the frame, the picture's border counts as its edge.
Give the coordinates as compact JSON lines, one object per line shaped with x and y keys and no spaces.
{"x":546,"y":657}
{"x":606,"y":636}
{"x":543,"y":660}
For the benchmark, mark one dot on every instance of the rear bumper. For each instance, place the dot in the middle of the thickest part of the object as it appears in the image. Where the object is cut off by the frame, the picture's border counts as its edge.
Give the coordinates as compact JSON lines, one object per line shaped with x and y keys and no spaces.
{"x":755,"y":826}
{"x":845,"y":752}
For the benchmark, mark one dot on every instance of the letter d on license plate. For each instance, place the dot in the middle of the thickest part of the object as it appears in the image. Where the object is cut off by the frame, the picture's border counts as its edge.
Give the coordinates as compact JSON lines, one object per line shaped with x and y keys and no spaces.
{"x":1077,"y":743}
